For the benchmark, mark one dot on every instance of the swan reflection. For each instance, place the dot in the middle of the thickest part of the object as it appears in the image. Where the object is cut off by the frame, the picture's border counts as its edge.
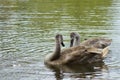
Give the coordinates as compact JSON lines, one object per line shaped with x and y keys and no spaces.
{"x":78,"y":70}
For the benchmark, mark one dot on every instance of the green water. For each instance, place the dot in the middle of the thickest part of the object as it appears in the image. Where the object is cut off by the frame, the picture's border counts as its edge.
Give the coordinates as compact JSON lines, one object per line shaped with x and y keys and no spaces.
{"x":28,"y":27}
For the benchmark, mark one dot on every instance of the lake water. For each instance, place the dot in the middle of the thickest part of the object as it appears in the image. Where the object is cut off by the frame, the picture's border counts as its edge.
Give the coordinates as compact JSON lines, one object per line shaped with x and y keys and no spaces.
{"x":28,"y":27}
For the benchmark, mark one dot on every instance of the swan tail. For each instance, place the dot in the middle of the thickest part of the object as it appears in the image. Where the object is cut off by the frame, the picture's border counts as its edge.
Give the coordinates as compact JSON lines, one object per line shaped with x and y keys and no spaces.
{"x":102,"y":52}
{"x":95,"y":50}
{"x":105,"y":51}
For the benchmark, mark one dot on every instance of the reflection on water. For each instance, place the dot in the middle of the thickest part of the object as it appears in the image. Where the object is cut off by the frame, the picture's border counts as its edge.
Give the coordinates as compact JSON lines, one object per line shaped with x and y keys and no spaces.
{"x":88,"y":71}
{"x":28,"y":27}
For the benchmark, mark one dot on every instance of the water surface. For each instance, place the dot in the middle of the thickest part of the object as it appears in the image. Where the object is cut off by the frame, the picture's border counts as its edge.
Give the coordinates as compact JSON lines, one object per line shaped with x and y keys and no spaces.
{"x":28,"y":27}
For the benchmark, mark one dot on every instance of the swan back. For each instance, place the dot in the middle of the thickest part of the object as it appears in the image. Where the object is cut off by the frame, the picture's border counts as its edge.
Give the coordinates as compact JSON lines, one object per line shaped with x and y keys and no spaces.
{"x":97,"y":42}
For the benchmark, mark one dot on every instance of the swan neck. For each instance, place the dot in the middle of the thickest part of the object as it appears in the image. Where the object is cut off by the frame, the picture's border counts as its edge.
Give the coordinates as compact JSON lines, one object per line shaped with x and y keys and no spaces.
{"x":77,"y":41}
{"x":56,"y":54}
{"x":57,"y":48}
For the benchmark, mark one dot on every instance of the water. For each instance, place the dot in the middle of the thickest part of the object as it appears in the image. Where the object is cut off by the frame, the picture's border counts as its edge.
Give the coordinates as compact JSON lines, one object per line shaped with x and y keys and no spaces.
{"x":28,"y":27}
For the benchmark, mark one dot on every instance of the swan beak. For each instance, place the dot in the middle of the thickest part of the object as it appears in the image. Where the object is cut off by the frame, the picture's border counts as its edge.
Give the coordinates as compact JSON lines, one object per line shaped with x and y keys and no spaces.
{"x":62,"y":44}
{"x":71,"y":42}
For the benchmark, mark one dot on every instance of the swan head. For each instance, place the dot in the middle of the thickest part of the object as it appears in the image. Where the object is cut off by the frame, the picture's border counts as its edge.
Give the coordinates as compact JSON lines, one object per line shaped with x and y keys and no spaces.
{"x":59,"y":39}
{"x":74,"y":36}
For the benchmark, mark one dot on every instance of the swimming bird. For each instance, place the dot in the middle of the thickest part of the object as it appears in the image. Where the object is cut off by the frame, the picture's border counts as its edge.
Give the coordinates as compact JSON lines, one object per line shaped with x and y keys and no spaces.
{"x":66,"y":56}
{"x":100,"y":46}
{"x":70,"y":55}
{"x":95,"y":42}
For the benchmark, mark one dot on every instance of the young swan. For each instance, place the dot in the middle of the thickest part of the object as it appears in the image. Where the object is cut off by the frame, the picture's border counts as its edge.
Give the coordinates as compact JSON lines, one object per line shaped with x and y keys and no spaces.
{"x":99,"y":45}
{"x":94,"y":42}
{"x":66,"y":56}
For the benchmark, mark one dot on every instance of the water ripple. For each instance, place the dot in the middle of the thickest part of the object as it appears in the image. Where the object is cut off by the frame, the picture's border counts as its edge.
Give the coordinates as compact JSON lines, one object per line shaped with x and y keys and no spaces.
{"x":27,"y":36}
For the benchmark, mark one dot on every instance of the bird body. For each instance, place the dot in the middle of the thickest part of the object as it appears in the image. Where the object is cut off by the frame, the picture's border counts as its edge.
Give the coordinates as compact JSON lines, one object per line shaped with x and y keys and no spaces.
{"x":86,"y":52}
{"x":99,"y":50}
